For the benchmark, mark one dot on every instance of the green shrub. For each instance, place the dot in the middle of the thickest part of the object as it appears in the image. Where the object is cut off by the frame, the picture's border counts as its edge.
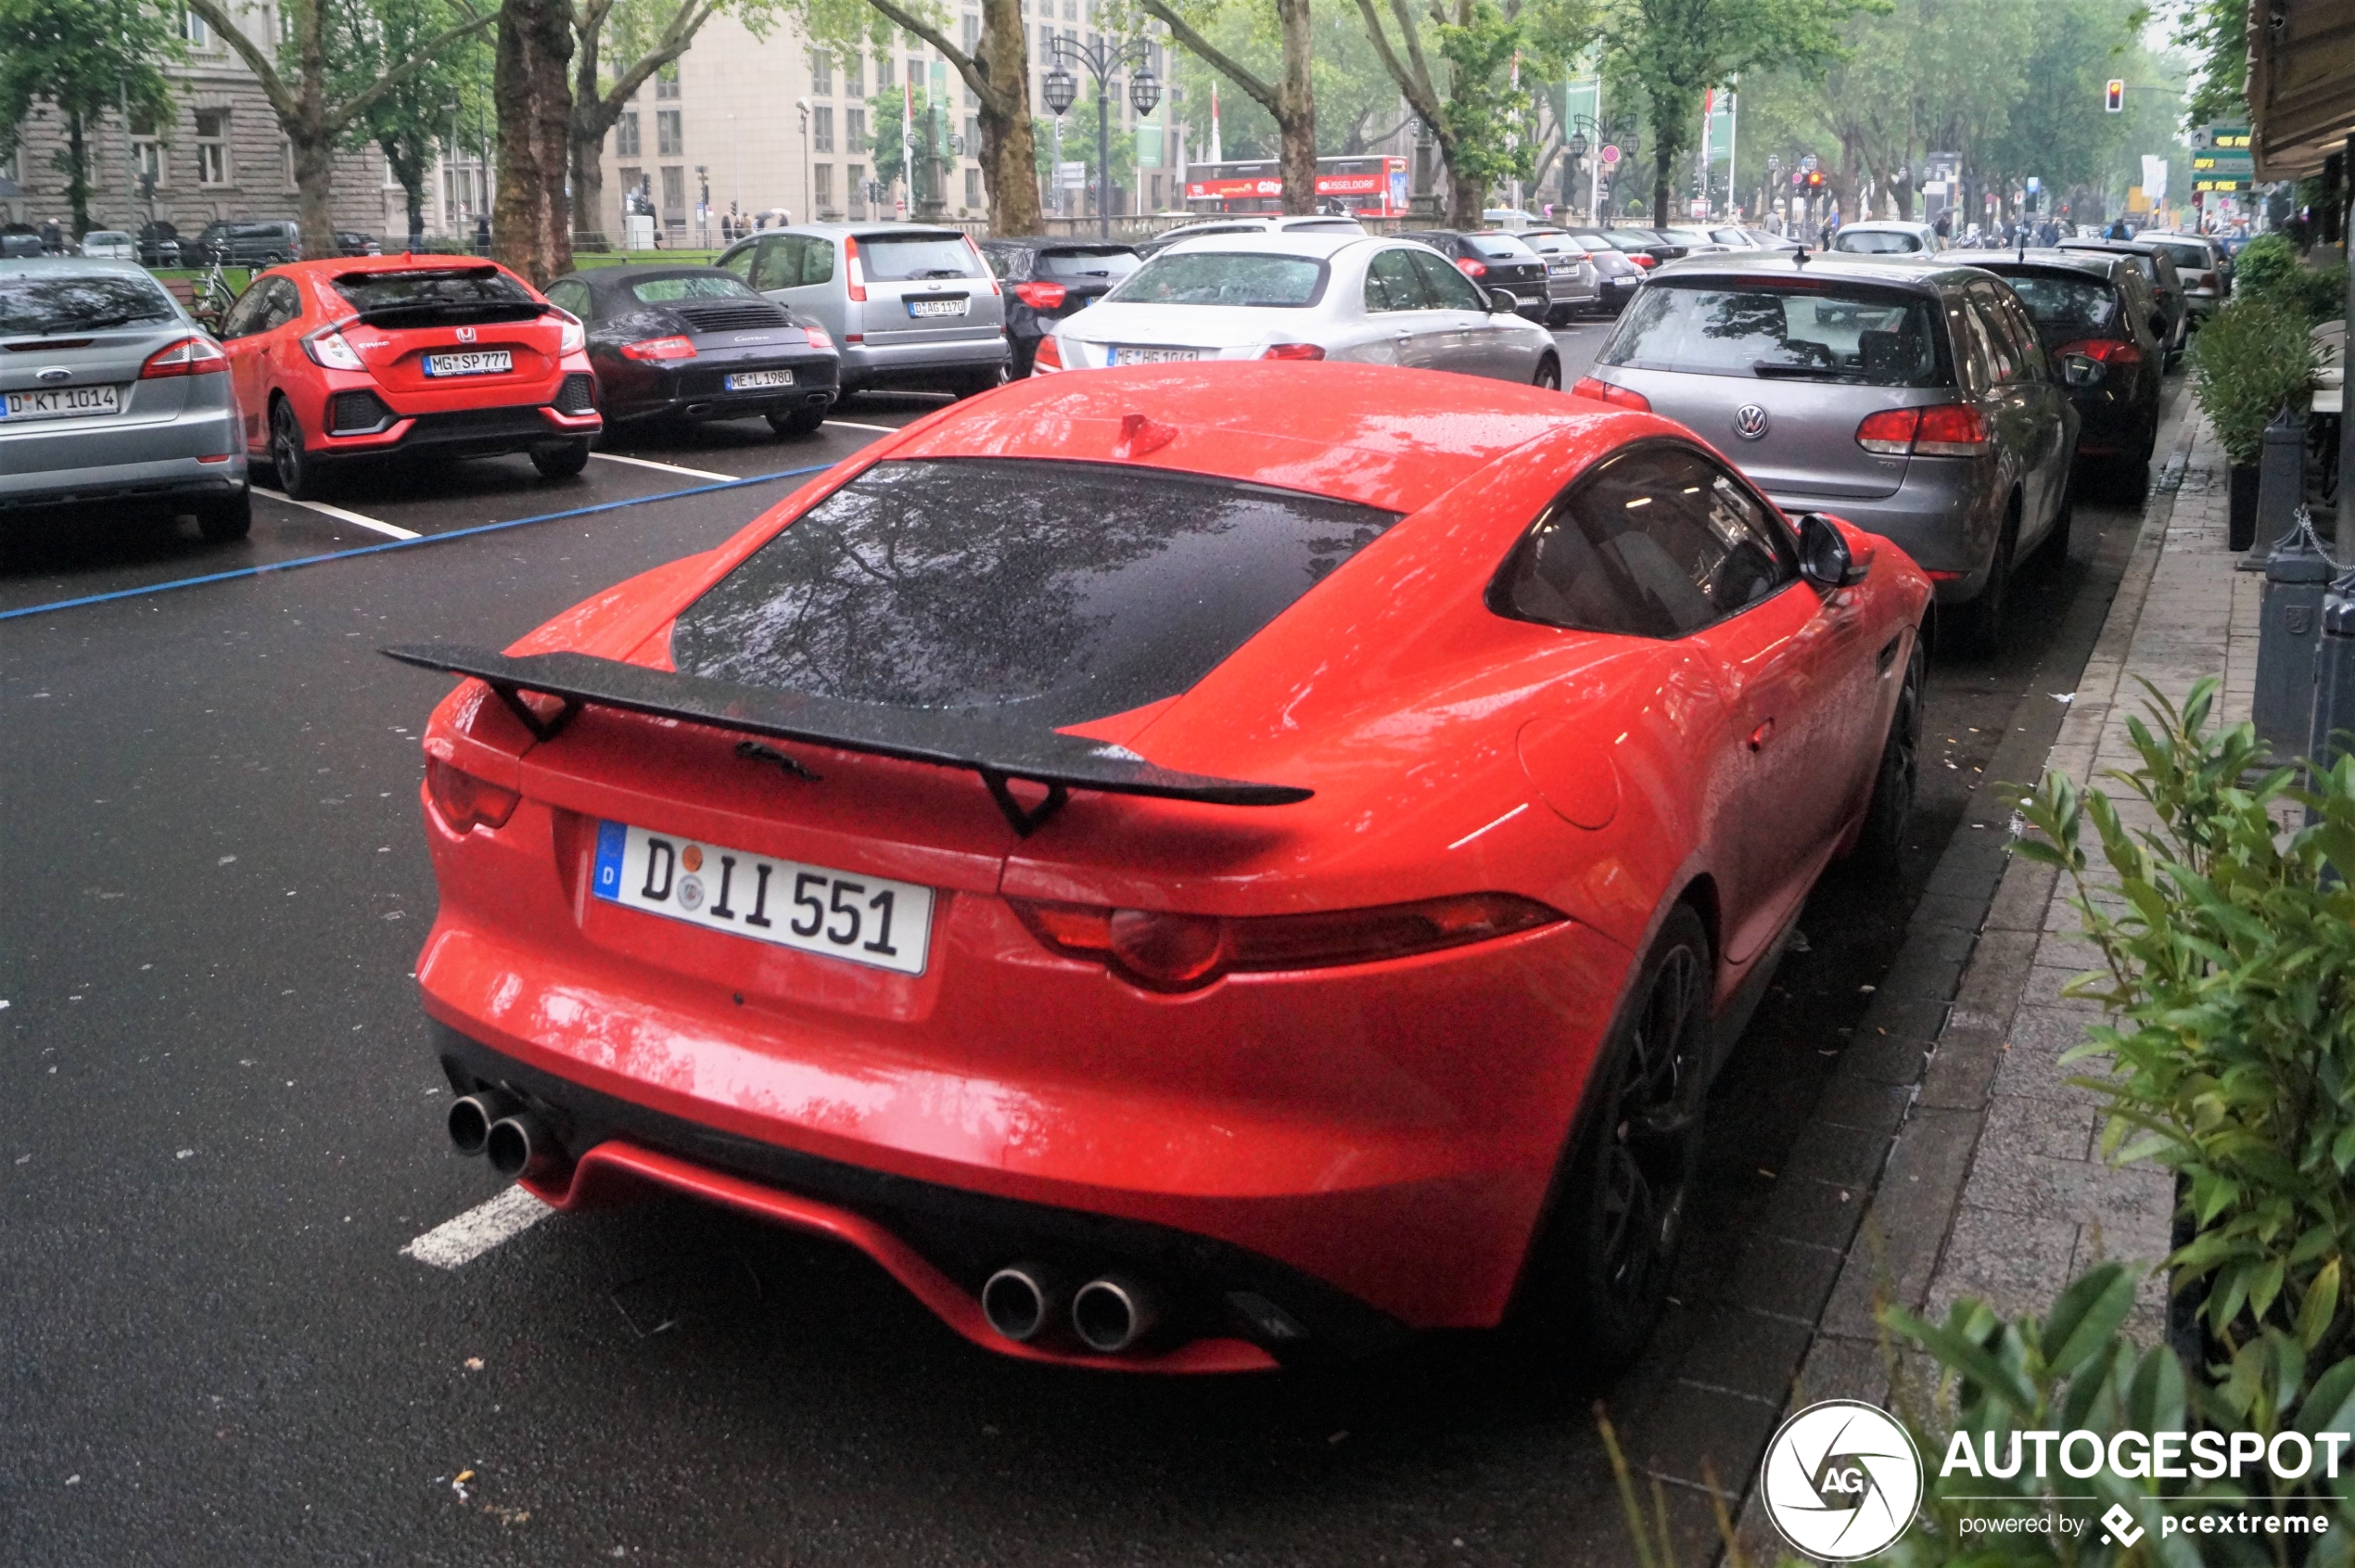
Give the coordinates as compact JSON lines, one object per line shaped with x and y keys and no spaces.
{"x":2264,"y":262}
{"x":2252,"y":357}
{"x":2229,"y":953}
{"x":2271,"y":268}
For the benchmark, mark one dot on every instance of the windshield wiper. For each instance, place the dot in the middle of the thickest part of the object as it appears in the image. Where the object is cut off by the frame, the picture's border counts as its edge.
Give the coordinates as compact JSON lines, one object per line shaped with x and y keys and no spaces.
{"x":104,"y":321}
{"x":1785,"y":367}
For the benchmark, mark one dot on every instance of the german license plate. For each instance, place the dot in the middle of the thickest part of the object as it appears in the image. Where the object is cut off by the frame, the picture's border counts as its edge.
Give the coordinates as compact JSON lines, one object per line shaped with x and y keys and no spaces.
{"x":1150,"y":356}
{"x":956,"y":307}
{"x":745,"y":380}
{"x":484,"y":361}
{"x":61,"y":403}
{"x":870,"y":920}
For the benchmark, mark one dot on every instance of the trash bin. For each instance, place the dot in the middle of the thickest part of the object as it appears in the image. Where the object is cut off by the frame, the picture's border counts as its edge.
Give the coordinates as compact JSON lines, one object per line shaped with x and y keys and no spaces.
{"x":2297,"y":575}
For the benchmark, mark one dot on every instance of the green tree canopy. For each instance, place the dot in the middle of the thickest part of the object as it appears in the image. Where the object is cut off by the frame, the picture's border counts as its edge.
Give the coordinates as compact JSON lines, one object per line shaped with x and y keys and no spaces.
{"x":88,"y":60}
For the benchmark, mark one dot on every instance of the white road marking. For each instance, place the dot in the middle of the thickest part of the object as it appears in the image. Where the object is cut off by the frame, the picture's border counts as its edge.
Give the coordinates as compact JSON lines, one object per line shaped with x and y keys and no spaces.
{"x":355,"y":518}
{"x":1498,"y":824}
{"x":666,"y":467}
{"x":455,"y":1243}
{"x":854,"y":425}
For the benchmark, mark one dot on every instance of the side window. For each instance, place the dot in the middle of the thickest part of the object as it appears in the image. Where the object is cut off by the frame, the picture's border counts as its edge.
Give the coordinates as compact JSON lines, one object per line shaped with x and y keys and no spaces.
{"x":244,"y":316}
{"x":1972,"y":355}
{"x":570,"y":295}
{"x":1660,"y":542}
{"x":2023,"y":329}
{"x":738,"y":261}
{"x":1446,"y":289}
{"x":1393,"y":284}
{"x":817,"y":260}
{"x":284,"y":305}
{"x":2003,"y":352}
{"x":777,"y":262}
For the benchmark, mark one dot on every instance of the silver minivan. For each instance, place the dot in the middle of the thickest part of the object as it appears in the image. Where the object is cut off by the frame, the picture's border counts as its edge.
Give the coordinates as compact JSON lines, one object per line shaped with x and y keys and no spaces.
{"x":908,"y":305}
{"x":109,"y":393}
{"x":1913,"y":400}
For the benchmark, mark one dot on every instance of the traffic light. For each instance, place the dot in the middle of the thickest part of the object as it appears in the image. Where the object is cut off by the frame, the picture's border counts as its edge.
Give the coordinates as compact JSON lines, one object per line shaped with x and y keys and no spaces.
{"x":1814,"y":179}
{"x":2114,"y":95}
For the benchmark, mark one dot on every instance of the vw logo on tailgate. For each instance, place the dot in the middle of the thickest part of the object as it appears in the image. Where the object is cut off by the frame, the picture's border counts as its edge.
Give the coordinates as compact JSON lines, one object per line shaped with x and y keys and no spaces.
{"x":1750,"y":421}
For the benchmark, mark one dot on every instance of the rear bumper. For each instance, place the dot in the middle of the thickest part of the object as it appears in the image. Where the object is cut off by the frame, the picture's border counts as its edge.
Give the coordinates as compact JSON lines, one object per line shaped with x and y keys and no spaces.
{"x":1946,"y":515}
{"x":169,"y":481}
{"x":921,"y":364}
{"x":699,"y":393}
{"x":479,"y":432}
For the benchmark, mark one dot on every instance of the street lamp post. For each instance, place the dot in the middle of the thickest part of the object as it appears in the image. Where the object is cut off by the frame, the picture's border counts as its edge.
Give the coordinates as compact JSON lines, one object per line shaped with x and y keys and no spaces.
{"x":808,"y":213}
{"x":1102,"y":58}
{"x":1774,"y":184}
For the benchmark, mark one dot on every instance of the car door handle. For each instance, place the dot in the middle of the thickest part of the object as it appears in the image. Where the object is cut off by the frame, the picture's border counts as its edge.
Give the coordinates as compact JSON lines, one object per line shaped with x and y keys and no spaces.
{"x":1761,"y":736}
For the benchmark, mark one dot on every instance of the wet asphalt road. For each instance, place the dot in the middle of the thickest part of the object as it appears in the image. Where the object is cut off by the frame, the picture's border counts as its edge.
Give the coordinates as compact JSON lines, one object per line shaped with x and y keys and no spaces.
{"x":219,"y":1126}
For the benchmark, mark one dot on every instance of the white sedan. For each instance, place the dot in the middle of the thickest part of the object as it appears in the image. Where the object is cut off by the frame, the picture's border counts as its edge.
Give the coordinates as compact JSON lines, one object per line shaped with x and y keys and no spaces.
{"x":1887,"y":236}
{"x":111,"y":245}
{"x":1360,"y":297}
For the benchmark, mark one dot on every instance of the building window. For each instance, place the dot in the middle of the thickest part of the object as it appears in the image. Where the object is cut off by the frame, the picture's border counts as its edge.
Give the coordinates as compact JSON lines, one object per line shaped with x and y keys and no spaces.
{"x":674,"y":195}
{"x":1156,"y":193}
{"x":854,"y":131}
{"x":972,"y":188}
{"x":147,"y":151}
{"x":972,"y":137}
{"x":973,"y":32}
{"x":883,"y":74}
{"x":667,"y":81}
{"x":286,"y":161}
{"x":212,"y":146}
{"x":821,"y":71}
{"x":666,"y":139}
{"x":1071,"y":10}
{"x":821,"y":128}
{"x":854,"y":76}
{"x":856,"y":175}
{"x":822,"y":178}
{"x":625,"y":139}
{"x":193,"y":28}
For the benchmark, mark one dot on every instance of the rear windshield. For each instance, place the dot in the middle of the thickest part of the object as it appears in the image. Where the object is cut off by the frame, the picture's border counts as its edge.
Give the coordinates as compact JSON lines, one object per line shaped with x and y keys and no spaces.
{"x":1623,"y":241}
{"x":1088,"y":263}
{"x":1875,"y":242}
{"x":429,"y":299}
{"x":1879,"y":337}
{"x":53,"y":303}
{"x":2186,"y":255}
{"x":2066,"y":304}
{"x":1050,"y":592}
{"x":706,"y":286}
{"x":906,"y":258}
{"x":1223,"y":277}
{"x":1496,"y":246}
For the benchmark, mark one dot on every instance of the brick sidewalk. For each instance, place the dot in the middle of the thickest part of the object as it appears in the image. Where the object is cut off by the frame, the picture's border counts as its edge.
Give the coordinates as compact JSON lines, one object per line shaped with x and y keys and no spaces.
{"x":1994,"y":1185}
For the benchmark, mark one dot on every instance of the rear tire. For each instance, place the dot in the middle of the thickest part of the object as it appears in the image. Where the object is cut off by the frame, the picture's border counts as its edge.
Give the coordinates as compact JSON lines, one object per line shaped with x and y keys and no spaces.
{"x":2053,"y":551}
{"x":228,"y":520}
{"x":974,"y":385}
{"x":1880,"y":843}
{"x":1600,"y":1268}
{"x":297,"y":471}
{"x":2130,"y":481}
{"x":564,"y":459}
{"x":801,"y":422}
{"x":1984,"y":618}
{"x":1558,"y":315}
{"x":1549,"y":374}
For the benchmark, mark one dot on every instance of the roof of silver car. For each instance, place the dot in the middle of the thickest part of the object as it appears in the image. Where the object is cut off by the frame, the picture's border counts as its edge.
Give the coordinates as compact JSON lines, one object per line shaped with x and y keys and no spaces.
{"x":1857,"y":265}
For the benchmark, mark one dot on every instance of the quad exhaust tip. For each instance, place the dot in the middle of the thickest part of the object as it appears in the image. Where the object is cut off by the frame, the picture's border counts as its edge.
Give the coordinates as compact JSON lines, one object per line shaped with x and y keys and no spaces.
{"x":471,"y":1118}
{"x":1113,"y":1313}
{"x":1022,"y":1301}
{"x":520,"y":1145}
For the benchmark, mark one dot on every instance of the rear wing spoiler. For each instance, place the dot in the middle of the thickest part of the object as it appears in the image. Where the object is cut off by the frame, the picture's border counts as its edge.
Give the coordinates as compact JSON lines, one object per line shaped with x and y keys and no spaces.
{"x":998,"y":753}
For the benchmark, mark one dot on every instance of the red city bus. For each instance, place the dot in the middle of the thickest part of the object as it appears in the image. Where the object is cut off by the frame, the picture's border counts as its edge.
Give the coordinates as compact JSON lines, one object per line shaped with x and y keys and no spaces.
{"x":1373,"y":184}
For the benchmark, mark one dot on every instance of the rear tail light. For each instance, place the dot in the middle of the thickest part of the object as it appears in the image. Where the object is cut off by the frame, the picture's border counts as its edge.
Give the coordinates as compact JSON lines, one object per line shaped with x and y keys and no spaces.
{"x":327,"y":347}
{"x":466,"y":802}
{"x":1643,"y":259}
{"x":659,"y":348}
{"x":982,"y":262}
{"x":1174,"y":952}
{"x":1293,"y":351}
{"x":1041,"y":296}
{"x":1950,"y":430}
{"x":1603,"y":391}
{"x":1049,"y":355}
{"x":190,"y":356}
{"x":818,"y":339}
{"x":1470,"y":268}
{"x":857,"y":270}
{"x":2109,"y":350}
{"x":575,"y":336}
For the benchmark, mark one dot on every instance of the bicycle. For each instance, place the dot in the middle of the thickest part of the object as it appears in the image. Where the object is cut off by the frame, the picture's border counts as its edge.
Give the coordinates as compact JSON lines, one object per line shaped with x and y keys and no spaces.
{"x":211,"y":298}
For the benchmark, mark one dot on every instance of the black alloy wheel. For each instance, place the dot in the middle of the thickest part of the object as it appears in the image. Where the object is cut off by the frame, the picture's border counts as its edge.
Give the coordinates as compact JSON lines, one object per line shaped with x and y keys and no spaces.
{"x":1549,"y":374}
{"x":227,"y":519}
{"x":801,"y":422}
{"x":1984,"y":618}
{"x":298,"y":472}
{"x":561,"y":460}
{"x":1601,"y":1269}
{"x":1880,"y":843}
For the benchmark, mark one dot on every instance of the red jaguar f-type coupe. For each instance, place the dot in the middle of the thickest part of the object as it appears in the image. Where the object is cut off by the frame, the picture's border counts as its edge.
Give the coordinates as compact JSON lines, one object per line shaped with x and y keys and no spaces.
{"x":1188,"y":868}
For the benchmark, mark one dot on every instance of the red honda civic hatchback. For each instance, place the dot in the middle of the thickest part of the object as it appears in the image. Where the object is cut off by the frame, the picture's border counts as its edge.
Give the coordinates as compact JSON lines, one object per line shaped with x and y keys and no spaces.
{"x":374,"y":355}
{"x":1188,"y":868}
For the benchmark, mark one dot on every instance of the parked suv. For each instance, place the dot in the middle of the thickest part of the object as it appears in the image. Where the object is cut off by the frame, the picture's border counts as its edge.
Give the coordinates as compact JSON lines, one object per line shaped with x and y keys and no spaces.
{"x":2201,"y":264}
{"x":1572,"y":281}
{"x":1911,"y":399}
{"x":905,"y":305}
{"x":241,"y":242}
{"x":2166,"y":283}
{"x":1495,"y":260}
{"x":1051,"y":279}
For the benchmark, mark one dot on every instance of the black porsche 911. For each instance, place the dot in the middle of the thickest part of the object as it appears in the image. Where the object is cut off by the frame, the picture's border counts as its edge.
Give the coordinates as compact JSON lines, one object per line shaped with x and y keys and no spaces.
{"x":695,"y":343}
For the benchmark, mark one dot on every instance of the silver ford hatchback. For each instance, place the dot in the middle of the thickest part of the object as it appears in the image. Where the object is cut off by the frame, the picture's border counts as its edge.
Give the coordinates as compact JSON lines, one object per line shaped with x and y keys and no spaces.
{"x":908,"y":305}
{"x":1910,"y":399}
{"x":111,"y":396}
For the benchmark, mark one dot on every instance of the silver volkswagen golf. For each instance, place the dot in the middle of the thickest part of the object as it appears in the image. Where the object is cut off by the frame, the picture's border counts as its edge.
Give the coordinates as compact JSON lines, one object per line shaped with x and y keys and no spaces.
{"x":110,"y":394}
{"x":908,"y":305}
{"x":1911,"y":398}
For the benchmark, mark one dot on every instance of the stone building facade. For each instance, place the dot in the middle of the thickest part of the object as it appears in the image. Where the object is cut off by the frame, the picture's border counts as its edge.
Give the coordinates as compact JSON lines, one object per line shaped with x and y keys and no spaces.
{"x":221,"y":155}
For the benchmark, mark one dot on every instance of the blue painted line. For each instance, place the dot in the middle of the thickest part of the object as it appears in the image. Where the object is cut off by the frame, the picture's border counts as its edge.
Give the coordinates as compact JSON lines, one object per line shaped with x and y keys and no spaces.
{"x":404,"y":543}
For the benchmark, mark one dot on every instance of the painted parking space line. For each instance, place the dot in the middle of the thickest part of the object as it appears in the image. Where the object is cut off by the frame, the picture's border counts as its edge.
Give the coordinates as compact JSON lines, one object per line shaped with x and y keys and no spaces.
{"x":456,"y":1243}
{"x":855,"y":424}
{"x":355,"y":519}
{"x":666,"y":467}
{"x":416,"y":542}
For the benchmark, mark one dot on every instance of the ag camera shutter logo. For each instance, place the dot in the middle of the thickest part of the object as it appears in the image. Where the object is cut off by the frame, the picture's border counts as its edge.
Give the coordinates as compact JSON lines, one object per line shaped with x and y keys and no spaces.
{"x":1841,"y":1480}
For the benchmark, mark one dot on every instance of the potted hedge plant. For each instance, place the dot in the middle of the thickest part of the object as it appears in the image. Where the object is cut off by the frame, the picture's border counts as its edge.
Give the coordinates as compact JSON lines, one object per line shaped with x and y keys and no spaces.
{"x":2253,"y":357}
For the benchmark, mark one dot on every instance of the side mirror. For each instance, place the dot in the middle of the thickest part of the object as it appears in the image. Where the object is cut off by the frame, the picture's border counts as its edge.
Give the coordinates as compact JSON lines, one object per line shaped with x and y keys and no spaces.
{"x":1502,"y":302}
{"x":2082,"y":370}
{"x":1824,"y":557}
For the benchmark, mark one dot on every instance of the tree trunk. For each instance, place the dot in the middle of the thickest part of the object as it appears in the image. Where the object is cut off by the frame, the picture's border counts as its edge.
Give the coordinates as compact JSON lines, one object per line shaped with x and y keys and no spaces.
{"x":590,"y":120}
{"x":1296,"y":112}
{"x":534,"y":231}
{"x":78,"y":175}
{"x":314,"y":169}
{"x":1008,"y":152}
{"x":1467,"y":198}
{"x":1664,"y":162}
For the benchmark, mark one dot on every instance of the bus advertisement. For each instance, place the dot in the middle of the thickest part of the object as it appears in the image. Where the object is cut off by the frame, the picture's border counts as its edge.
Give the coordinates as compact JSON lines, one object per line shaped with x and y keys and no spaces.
{"x":1373,"y":184}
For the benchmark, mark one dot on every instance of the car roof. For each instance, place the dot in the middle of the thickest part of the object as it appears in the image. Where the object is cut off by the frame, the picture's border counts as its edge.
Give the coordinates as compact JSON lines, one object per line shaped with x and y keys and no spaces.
{"x":1764,"y":265}
{"x":641,"y":272}
{"x":87,"y":266}
{"x":2048,"y":257}
{"x":1056,"y":242}
{"x":1378,"y":435}
{"x":1886,"y":226}
{"x":1294,"y":243}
